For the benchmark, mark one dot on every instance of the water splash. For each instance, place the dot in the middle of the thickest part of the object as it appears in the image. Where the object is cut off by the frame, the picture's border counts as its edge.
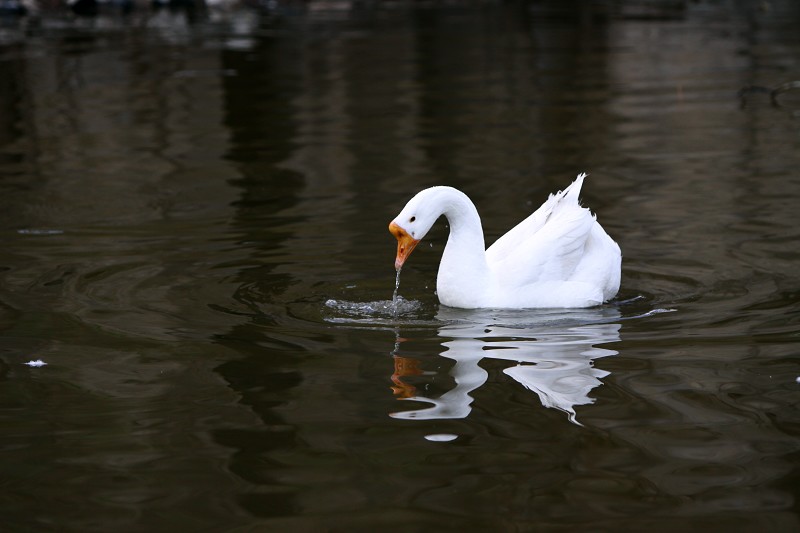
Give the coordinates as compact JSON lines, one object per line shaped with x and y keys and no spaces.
{"x":393,"y":309}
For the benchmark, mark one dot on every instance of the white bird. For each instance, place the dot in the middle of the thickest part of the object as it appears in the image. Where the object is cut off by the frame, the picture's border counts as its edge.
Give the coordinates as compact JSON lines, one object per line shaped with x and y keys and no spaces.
{"x":559,"y":256}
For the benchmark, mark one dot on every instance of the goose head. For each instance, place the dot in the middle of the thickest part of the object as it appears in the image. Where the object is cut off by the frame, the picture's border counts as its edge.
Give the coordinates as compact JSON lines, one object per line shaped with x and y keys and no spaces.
{"x":415,"y":220}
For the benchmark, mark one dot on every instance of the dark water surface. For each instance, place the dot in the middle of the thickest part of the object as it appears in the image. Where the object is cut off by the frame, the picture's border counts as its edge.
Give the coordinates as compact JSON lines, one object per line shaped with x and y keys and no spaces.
{"x":193,"y":220}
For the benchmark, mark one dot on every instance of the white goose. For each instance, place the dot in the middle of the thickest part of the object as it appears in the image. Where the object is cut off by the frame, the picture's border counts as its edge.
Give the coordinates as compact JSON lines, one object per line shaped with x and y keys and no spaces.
{"x":559,"y":256}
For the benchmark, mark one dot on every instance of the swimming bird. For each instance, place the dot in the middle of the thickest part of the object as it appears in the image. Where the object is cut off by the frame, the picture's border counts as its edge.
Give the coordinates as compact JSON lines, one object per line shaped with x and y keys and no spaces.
{"x":559,"y":256}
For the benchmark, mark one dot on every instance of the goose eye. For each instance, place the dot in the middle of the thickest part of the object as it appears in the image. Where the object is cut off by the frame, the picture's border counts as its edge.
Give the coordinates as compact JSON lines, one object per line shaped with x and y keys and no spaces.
{"x":412,"y":219}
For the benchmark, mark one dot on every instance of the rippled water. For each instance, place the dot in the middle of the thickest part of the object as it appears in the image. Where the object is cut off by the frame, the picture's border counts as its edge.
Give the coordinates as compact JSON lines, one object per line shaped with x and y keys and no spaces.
{"x":193,"y":211}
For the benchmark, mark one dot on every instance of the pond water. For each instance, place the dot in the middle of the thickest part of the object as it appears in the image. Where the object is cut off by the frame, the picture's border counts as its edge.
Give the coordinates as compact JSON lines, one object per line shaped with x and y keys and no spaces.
{"x":194,"y":210}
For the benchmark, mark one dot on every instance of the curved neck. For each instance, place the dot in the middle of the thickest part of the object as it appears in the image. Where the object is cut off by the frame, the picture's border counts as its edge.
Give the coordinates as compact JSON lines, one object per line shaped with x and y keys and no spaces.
{"x":464,"y":221}
{"x":464,"y":259}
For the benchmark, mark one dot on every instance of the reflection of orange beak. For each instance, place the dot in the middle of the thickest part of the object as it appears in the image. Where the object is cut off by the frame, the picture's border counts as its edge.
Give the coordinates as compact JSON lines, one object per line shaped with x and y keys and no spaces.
{"x":403,"y":367}
{"x":405,"y":244}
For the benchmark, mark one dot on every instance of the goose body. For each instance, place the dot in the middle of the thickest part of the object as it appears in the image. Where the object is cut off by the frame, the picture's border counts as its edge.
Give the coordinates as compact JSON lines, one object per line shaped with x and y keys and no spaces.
{"x":559,"y":256}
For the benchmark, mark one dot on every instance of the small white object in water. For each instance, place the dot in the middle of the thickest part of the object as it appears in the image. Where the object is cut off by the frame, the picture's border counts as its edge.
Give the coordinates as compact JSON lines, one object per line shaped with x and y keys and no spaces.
{"x":36,"y":363}
{"x":441,"y":437}
{"x":797,"y":379}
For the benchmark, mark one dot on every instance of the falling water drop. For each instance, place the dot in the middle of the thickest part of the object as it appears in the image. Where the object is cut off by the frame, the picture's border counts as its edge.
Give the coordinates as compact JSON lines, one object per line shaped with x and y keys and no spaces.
{"x":394,"y":295}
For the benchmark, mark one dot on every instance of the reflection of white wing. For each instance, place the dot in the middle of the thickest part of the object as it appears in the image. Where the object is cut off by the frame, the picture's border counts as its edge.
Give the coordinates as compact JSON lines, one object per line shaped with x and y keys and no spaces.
{"x":557,"y":385}
{"x":553,"y":351}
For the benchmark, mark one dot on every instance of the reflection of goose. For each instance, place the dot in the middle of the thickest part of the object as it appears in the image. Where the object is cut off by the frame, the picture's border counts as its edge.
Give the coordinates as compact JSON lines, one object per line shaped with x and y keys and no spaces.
{"x":553,"y":351}
{"x":559,"y":256}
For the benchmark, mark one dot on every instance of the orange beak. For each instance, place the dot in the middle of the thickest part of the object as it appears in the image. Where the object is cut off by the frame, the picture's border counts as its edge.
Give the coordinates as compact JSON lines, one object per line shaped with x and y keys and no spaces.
{"x":405,"y":244}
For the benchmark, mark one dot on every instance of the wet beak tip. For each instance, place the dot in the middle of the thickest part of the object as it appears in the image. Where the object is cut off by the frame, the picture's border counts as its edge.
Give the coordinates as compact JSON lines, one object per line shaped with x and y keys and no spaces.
{"x":405,"y":244}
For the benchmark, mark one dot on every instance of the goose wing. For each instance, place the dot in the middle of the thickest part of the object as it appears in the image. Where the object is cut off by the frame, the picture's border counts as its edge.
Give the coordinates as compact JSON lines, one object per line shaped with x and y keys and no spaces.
{"x":546,"y":246}
{"x":523,"y":231}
